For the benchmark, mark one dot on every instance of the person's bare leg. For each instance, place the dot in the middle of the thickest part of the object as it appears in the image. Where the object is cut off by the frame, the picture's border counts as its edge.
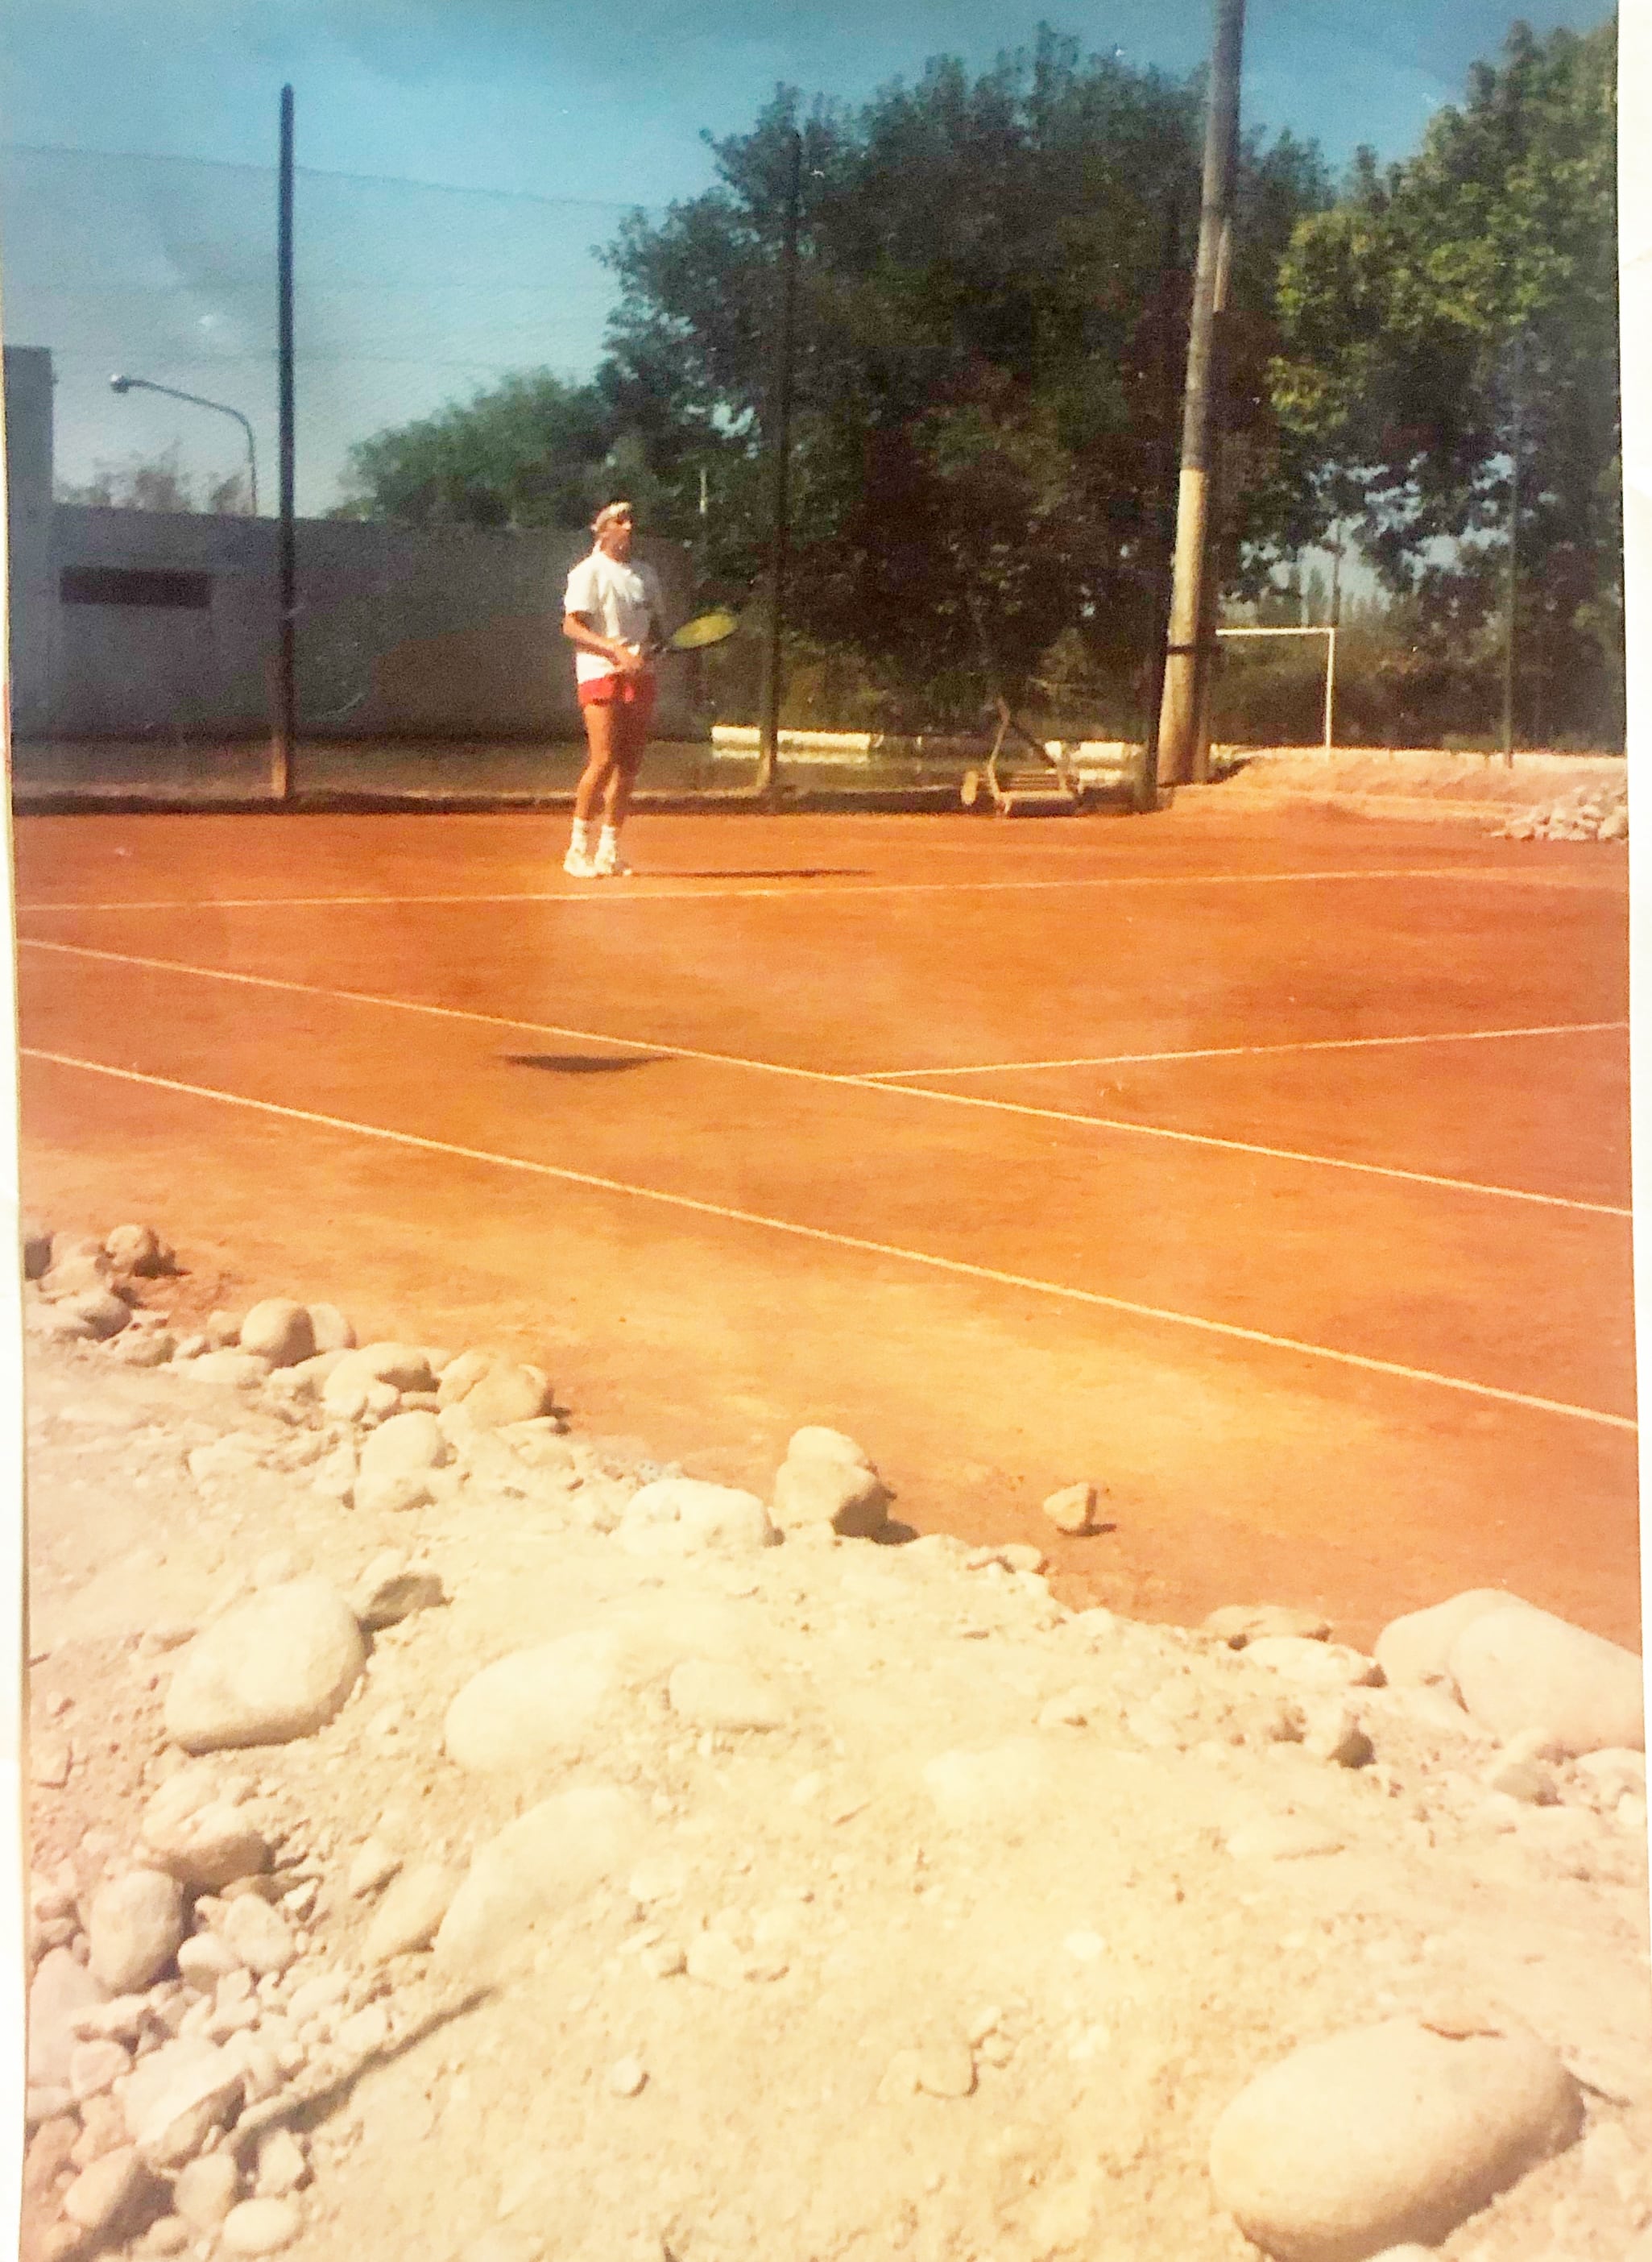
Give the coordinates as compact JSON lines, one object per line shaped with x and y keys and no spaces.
{"x":590,"y":793}
{"x":596,"y":780}
{"x":630,"y":739}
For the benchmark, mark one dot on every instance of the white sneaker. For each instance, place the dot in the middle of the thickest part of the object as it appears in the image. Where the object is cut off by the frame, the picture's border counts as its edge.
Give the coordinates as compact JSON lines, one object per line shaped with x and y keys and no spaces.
{"x":578,"y":866}
{"x":609,"y":864}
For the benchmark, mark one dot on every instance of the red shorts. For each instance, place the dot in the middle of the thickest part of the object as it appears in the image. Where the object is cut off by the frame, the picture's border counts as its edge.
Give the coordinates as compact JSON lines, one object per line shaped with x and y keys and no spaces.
{"x":635,"y":693}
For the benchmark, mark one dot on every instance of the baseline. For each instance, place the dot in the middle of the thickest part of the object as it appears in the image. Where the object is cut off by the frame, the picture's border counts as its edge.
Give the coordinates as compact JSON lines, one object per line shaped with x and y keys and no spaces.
{"x":604,"y":892}
{"x":1246,"y":1052}
{"x":1096,"y":1298}
{"x":839,"y":1079}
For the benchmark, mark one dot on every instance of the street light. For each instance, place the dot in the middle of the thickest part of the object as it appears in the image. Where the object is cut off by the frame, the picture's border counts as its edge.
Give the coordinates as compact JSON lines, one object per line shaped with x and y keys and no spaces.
{"x":148,"y":385}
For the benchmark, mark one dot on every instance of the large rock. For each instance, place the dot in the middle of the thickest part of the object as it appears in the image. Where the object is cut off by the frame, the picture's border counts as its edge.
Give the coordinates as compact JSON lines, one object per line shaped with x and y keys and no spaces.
{"x":404,"y":1367}
{"x":202,"y":1840}
{"x":538,"y":1867}
{"x":276,"y":1666}
{"x":177,"y":2096}
{"x":1522,"y":1672}
{"x":535,"y":1704}
{"x":279,"y":1330}
{"x":814,"y":1442}
{"x":1418,"y":1648}
{"x":397,"y":1461}
{"x":506,"y":1392}
{"x":683,"y":1516}
{"x":104,"y":2195}
{"x":1387,"y":2133}
{"x":134,"y":1926}
{"x":849,"y":1496}
{"x":60,"y":1990}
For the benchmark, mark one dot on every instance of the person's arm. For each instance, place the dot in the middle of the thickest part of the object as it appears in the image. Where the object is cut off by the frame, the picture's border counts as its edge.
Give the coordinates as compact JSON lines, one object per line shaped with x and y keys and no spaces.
{"x":581,"y":629}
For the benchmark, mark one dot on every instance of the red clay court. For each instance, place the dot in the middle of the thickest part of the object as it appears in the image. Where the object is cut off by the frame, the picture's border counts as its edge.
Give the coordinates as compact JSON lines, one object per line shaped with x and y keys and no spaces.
{"x":1271,"y":1167}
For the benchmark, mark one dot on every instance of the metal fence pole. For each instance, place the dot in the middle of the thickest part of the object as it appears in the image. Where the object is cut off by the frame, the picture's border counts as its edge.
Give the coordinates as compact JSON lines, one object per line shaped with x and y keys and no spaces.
{"x":769,"y":739}
{"x":281,"y":750}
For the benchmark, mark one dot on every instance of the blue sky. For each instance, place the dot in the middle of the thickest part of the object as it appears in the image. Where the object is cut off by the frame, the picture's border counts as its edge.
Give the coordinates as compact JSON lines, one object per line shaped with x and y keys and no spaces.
{"x":550,"y":122}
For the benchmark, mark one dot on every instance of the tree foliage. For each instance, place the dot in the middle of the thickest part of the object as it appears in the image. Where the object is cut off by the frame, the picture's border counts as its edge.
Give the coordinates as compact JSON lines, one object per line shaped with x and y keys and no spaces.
{"x":993,"y":279}
{"x":1453,"y":314}
{"x":155,"y":483}
{"x":530,"y":451}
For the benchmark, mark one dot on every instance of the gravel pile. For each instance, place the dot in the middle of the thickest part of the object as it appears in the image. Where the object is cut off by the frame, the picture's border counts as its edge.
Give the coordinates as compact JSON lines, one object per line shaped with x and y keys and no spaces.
{"x":1600,"y":812}
{"x":453,"y":1836}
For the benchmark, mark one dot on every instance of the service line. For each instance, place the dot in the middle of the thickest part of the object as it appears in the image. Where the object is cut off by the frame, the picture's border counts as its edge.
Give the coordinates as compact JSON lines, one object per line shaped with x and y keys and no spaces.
{"x":837,"y":1078}
{"x":960,"y":1267}
{"x":609,"y":893}
{"x":1247,"y":1052}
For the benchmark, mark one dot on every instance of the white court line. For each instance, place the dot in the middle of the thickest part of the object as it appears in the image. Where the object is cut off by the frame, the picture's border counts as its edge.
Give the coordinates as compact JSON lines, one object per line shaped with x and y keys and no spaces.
{"x":1234,"y":1052}
{"x":605,"y":892}
{"x":952,"y":1264}
{"x":1118,"y":1123}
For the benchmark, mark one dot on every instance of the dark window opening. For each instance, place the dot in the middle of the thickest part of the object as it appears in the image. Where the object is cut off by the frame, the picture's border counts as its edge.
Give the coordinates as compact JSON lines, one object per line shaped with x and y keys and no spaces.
{"x":129,"y":584}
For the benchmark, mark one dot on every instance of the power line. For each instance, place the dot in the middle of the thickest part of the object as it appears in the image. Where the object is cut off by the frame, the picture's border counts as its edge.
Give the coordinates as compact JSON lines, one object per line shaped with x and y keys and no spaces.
{"x":321,"y":173}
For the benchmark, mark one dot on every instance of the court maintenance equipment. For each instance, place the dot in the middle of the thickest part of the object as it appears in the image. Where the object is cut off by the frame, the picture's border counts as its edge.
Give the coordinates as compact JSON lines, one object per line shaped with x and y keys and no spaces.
{"x":1044,"y":786}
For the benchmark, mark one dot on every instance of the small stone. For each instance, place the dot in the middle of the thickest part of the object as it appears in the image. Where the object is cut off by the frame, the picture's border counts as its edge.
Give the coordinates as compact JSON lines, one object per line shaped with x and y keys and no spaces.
{"x":94,"y":2068}
{"x":331,"y":1331}
{"x":167,"y":2234}
{"x":282,"y":2167}
{"x":208,"y":1849}
{"x":410,"y":1915}
{"x":714,"y":1959}
{"x":374,"y":1865}
{"x":139,"y":1249}
{"x":60,"y":1989}
{"x":507,"y":1393}
{"x":626,"y":2077}
{"x":849,"y":1497}
{"x":50,"y":1760}
{"x":204,"y":1959}
{"x":258,"y":1934}
{"x":206,"y":2189}
{"x":134,"y":1926}
{"x":1072,"y":1508}
{"x":816,"y":1442}
{"x":388,"y":1592}
{"x":260,"y":2226}
{"x":1237,"y":1623}
{"x":103,"y":1312}
{"x":946,"y":2070}
{"x":684,"y":1515}
{"x":104,"y":2191}
{"x":279,"y":1330}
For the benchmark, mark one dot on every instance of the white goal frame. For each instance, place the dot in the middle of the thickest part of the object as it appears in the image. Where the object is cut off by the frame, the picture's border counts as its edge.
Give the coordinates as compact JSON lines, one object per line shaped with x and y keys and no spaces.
{"x":1328,"y":631}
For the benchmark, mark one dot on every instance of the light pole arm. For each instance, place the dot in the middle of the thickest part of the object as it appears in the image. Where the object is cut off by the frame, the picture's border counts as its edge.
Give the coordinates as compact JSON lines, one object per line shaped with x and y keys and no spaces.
{"x":198,"y":401}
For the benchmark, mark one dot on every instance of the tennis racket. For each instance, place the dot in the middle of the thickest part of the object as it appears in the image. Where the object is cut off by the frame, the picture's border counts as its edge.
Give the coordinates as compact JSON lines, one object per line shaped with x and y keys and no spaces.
{"x":706,"y":629}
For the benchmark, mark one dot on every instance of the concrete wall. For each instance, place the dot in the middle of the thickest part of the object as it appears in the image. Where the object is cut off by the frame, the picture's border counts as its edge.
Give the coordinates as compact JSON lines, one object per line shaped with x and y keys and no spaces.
{"x":32,"y":606}
{"x":401,"y":633}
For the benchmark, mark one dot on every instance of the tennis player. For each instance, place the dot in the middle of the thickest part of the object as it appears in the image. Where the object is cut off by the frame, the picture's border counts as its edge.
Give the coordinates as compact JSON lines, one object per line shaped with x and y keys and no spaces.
{"x":612,"y":613}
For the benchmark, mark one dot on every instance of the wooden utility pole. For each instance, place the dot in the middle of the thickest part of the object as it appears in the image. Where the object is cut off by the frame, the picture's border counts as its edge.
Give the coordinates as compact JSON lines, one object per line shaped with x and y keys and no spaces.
{"x":1188,"y":651}
{"x":281,"y":743}
{"x":780,"y":441}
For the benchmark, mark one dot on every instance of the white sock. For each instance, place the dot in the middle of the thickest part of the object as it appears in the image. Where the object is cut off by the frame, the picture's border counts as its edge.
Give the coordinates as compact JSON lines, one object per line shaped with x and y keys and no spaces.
{"x":610,"y":836}
{"x":582,"y":835}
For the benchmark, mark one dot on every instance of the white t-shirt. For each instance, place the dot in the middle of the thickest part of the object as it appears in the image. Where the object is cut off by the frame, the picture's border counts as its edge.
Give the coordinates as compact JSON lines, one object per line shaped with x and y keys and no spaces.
{"x":621,"y":600}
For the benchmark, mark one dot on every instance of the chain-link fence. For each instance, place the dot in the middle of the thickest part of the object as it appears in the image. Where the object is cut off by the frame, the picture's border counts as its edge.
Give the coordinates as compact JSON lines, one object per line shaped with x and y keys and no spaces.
{"x":142,"y":388}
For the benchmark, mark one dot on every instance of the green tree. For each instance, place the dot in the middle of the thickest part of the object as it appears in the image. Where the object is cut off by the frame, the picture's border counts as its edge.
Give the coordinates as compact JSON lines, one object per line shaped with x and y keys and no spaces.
{"x":1457,"y":313}
{"x":988,"y":373}
{"x":530,"y":451}
{"x":155,"y":483}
